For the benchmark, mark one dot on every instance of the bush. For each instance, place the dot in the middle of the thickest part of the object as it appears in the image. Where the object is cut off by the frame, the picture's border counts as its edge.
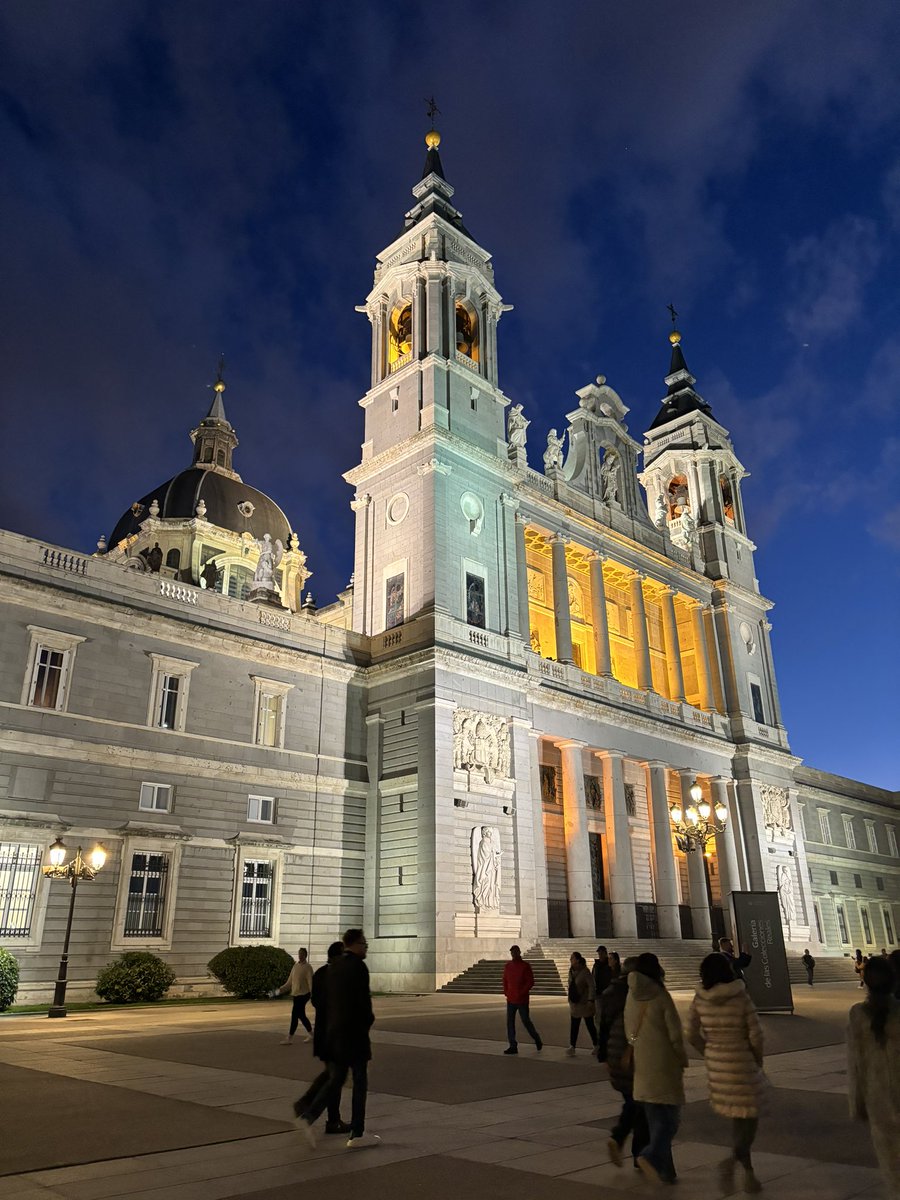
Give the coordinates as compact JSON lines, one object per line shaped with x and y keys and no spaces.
{"x":9,"y":978}
{"x":251,"y":971}
{"x":134,"y":977}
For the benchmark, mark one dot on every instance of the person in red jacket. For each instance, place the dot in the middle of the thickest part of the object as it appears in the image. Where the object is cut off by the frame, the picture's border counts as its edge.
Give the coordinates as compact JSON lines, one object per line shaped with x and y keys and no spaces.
{"x":518,"y":980}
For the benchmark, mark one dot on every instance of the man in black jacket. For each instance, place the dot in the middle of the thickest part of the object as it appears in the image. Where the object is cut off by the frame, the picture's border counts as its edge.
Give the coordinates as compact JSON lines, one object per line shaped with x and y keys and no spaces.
{"x":602,"y":972}
{"x":737,"y":962}
{"x":347,"y":1045}
{"x":319,"y":997}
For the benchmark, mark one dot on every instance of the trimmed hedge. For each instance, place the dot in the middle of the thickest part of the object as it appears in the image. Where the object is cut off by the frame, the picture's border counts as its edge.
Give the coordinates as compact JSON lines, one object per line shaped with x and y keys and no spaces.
{"x":135,"y":977}
{"x":251,"y":972}
{"x":9,"y":978}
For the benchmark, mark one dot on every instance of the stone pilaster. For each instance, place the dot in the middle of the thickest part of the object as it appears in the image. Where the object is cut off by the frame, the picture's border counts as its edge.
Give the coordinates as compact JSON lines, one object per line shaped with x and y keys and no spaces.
{"x":620,"y":864}
{"x":664,"y":871}
{"x":561,"y":599}
{"x":701,"y":657}
{"x":522,"y":581}
{"x":599,"y":617}
{"x":641,"y":638}
{"x":578,"y":854}
{"x":673,"y":646}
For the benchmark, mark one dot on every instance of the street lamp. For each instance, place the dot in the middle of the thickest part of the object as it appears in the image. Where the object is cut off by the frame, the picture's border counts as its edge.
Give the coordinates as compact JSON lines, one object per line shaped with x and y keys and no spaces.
{"x":76,"y":870}
{"x":697,"y":824}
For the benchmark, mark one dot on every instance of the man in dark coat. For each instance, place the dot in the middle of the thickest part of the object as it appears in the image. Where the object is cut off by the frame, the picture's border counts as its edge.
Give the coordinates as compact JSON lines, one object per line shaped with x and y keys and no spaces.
{"x":601,"y":971}
{"x":347,"y":1045}
{"x":319,"y":998}
{"x":736,"y":961}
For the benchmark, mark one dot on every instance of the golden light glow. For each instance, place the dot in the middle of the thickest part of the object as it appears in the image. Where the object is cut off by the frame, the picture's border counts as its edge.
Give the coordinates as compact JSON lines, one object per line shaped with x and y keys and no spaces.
{"x":691,"y":814}
{"x":432,"y":139}
{"x":676,"y":814}
{"x":675,"y":337}
{"x":696,"y":792}
{"x":704,"y":809}
{"x":400,"y":333}
{"x":97,"y":858}
{"x":57,"y":853}
{"x":721,"y":813}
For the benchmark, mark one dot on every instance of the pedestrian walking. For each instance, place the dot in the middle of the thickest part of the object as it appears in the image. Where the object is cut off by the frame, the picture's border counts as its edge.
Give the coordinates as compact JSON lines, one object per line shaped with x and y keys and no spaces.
{"x":654,"y":1033}
{"x":858,"y":964}
{"x":873,"y":1062}
{"x":319,"y":1001}
{"x":615,"y":966}
{"x":347,"y":1045}
{"x":810,"y":964}
{"x":737,"y":961}
{"x":601,"y":971}
{"x":723,"y":1026}
{"x":620,"y":1064}
{"x":581,"y":1000}
{"x":518,"y":980}
{"x":299,"y":983}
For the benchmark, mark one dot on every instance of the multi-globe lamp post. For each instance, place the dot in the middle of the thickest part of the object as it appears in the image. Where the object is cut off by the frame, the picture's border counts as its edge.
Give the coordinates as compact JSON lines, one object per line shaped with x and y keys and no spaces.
{"x":699,"y":822}
{"x":77,"y":869}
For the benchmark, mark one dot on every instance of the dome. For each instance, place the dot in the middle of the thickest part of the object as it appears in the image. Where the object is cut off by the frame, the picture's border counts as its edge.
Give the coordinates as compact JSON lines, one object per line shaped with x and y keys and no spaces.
{"x":230,"y":504}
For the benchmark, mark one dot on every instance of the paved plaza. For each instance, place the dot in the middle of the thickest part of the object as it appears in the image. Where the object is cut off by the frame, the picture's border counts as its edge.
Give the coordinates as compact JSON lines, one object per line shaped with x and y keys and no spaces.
{"x":193,"y":1103}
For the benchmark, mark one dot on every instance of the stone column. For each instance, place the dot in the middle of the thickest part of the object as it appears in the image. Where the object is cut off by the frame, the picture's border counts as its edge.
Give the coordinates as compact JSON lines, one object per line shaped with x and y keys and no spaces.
{"x":522,"y":581}
{"x":558,"y":544}
{"x":664,"y":873}
{"x":541,"y":887}
{"x":673,"y":647}
{"x":701,"y":657}
{"x":696,"y":873}
{"x":509,"y":615}
{"x":578,"y":854}
{"x":599,"y":617}
{"x":641,"y":639}
{"x":528,"y":854}
{"x":620,"y":864}
{"x":726,"y":850}
{"x":715,"y":660}
{"x":765,"y":629}
{"x":374,"y":727}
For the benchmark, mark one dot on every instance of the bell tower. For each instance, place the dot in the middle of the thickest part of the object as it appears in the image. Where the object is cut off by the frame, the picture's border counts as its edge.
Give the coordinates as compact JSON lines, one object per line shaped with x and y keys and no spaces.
{"x":435,"y":455}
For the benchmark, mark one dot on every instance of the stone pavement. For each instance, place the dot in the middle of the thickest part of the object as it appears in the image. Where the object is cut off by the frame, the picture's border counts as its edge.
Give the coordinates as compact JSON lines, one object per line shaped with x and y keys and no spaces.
{"x":193,"y":1103}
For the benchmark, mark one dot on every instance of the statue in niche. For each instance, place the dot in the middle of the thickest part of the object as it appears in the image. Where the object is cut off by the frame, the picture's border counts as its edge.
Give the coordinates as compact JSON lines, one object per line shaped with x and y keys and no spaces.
{"x":662,"y":512}
{"x":154,"y":558}
{"x":576,"y":608}
{"x":679,"y":500}
{"x":784,"y":882}
{"x":535,"y":641}
{"x":486,"y":855}
{"x":553,"y":455}
{"x":481,"y":743}
{"x":270,"y":556}
{"x":516,"y":427}
{"x":609,"y":478}
{"x":209,"y":576}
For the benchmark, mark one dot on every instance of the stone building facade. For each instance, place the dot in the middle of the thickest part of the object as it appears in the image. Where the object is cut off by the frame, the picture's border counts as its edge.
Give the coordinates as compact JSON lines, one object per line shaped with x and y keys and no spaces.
{"x":481,"y":740}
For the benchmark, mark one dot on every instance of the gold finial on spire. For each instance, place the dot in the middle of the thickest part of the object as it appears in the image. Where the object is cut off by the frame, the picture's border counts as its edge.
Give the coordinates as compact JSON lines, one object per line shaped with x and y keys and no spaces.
{"x":432,"y":137}
{"x":674,"y":336}
{"x":219,"y":385}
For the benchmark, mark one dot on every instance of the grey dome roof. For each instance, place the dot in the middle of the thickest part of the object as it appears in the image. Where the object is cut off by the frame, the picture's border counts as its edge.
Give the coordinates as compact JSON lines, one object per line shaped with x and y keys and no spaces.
{"x":178,"y":499}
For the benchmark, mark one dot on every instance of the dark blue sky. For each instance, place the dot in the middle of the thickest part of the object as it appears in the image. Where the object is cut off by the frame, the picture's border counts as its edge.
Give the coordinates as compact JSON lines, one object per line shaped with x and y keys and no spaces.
{"x":185,"y":179}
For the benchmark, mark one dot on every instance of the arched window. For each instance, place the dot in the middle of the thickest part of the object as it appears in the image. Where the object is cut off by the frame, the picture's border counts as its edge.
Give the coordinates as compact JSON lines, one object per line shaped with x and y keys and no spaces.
{"x":466,"y":331}
{"x":400,"y":336}
{"x":173,"y":559}
{"x":220,"y":458}
{"x":727,"y":498}
{"x":677,"y":494}
{"x":240,"y":580}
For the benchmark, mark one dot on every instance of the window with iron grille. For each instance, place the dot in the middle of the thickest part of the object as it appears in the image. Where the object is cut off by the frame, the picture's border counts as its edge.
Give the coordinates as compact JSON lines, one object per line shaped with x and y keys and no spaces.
{"x":20,"y":872}
{"x":146,"y":904}
{"x":256,"y":899}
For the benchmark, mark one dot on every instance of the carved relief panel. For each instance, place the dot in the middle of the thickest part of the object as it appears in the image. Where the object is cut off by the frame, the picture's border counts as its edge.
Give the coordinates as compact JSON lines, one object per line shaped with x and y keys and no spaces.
{"x":481,"y":744}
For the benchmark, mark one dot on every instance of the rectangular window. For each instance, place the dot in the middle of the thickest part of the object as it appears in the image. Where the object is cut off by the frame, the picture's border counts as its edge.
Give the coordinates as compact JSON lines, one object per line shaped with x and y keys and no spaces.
{"x":51,"y":657}
{"x":849,"y":835}
{"x":825,"y":826}
{"x":145,"y":907}
{"x":879,"y":883}
{"x":756,"y":697}
{"x":891,"y":840}
{"x":261,"y":809}
{"x":866,"y":924}
{"x":20,"y":872}
{"x":475,"y":614}
{"x":167,"y":713}
{"x":268,"y":719}
{"x":169,"y":692}
{"x":47,"y":682}
{"x":834,"y":880}
{"x":842,"y":924}
{"x":156,"y":797}
{"x":256,"y":899}
{"x":888,"y":926}
{"x":871,"y":837}
{"x":857,"y":881}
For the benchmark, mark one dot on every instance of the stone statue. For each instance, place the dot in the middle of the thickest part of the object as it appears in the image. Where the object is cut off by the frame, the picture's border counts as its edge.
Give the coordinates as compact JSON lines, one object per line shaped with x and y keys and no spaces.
{"x":785,"y":884}
{"x":154,"y":558}
{"x":270,"y":555}
{"x":481,"y":743}
{"x":516,"y":426}
{"x":486,"y":855}
{"x":553,"y":455}
{"x":209,"y":576}
{"x":609,"y":477}
{"x":662,"y":512}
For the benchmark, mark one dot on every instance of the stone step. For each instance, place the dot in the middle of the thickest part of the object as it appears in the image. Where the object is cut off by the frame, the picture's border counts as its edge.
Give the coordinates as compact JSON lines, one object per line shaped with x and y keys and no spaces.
{"x":486,"y":977}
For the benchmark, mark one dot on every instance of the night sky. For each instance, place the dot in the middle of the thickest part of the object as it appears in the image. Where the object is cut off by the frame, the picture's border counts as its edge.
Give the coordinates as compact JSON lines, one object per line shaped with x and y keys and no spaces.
{"x":181,"y":180}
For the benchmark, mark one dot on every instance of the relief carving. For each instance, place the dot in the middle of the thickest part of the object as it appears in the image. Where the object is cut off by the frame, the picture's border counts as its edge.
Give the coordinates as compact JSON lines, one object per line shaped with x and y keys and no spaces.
{"x":777,"y":816}
{"x":486,"y":855}
{"x":481,"y":743}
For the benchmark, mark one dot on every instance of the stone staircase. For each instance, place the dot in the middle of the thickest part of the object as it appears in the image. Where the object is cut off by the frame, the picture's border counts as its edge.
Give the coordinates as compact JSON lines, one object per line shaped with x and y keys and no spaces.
{"x":681,"y":960}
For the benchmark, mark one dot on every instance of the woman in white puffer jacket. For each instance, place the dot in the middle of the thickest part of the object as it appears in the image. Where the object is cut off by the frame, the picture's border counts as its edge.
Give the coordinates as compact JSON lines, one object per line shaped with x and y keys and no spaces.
{"x":724,"y":1027}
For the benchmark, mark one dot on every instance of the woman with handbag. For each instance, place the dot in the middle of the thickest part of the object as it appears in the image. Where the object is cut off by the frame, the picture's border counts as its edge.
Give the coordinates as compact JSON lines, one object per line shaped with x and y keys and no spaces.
{"x":724,"y":1027}
{"x":654,"y":1035}
{"x":581,"y":1001}
{"x":617,"y":1054}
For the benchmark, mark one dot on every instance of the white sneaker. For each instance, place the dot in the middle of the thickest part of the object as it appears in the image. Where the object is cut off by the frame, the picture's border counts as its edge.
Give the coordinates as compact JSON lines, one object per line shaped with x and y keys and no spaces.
{"x":306,"y":1132}
{"x":570,"y":1050}
{"x":307,"y":1037}
{"x":288,"y":1041}
{"x":364,"y":1139}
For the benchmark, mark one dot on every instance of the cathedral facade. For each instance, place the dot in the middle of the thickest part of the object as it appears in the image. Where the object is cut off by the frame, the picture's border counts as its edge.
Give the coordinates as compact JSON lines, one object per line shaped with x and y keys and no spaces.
{"x":537,"y":685}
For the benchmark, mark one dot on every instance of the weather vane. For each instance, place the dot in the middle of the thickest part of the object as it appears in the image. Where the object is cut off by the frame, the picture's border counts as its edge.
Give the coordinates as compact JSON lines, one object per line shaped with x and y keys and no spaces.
{"x":433,"y":109}
{"x":672,"y":313}
{"x":219,"y":385}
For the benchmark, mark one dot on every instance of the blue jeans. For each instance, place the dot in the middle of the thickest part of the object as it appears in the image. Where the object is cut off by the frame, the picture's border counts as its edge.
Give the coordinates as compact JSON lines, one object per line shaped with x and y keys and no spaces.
{"x":662,"y":1121}
{"x":522,"y":1010}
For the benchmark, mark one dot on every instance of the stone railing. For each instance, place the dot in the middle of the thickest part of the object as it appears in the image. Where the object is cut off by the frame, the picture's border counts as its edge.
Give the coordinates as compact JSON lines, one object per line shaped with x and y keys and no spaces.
{"x":177,"y":591}
{"x":274,"y":620}
{"x":64,"y":561}
{"x":402,"y":361}
{"x":466,"y":361}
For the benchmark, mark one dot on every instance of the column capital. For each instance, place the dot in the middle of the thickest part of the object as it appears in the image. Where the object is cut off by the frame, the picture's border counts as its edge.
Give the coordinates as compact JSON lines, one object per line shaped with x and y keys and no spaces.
{"x":521,"y":518}
{"x":599,"y":556}
{"x":667,"y":589}
{"x":685,"y":771}
{"x":359,"y":502}
{"x":655,"y":762}
{"x":570,"y":744}
{"x":637,"y":576}
{"x":558,"y":539}
{"x":610,"y":754}
{"x":509,"y":501}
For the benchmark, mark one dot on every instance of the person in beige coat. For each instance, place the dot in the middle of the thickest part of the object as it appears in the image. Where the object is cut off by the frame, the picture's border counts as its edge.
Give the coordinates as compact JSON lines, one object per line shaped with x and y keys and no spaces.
{"x":723,"y":1026}
{"x":873,"y":1067}
{"x":653,"y":1030}
{"x":299,"y":983}
{"x":581,"y":1001}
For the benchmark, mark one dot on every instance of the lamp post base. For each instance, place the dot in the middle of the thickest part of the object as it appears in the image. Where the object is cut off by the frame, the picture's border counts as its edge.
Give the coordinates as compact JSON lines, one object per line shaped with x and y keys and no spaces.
{"x":57,"y":1010}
